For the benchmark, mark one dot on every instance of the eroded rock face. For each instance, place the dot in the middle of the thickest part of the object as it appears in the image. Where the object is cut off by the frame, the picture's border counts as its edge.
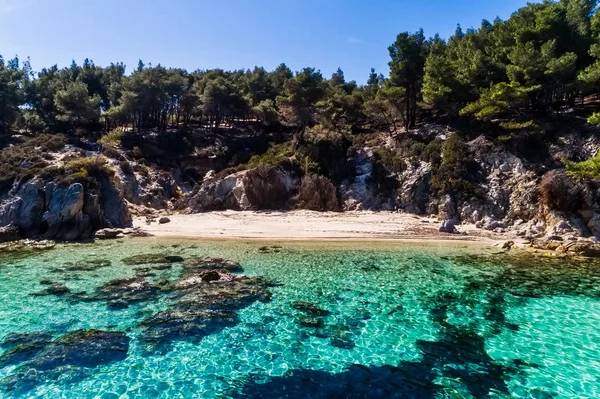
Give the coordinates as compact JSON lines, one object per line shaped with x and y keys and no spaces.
{"x":226,"y":193}
{"x":25,"y":208}
{"x":53,"y":211}
{"x":10,"y":233}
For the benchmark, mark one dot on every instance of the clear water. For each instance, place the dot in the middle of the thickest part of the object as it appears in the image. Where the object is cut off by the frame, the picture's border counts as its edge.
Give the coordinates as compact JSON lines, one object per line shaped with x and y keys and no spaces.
{"x":414,"y":321}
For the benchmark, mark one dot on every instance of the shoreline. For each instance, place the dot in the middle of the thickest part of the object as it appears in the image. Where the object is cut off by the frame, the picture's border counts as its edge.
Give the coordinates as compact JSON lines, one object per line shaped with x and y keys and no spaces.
{"x":302,"y":225}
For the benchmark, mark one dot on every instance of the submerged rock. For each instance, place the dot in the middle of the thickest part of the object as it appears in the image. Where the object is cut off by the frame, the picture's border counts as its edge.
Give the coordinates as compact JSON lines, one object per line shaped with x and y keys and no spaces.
{"x":68,"y":355}
{"x":55,"y":289}
{"x":200,"y":264}
{"x":205,"y":303}
{"x":162,"y":328}
{"x":342,"y":339}
{"x":310,"y":308}
{"x":88,"y":265}
{"x":311,"y":322}
{"x":22,"y":346}
{"x":120,"y":293}
{"x":151,"y":258}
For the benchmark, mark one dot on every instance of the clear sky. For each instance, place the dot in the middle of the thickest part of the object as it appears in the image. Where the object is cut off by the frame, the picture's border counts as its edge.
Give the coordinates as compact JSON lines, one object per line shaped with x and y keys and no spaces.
{"x":230,"y":34}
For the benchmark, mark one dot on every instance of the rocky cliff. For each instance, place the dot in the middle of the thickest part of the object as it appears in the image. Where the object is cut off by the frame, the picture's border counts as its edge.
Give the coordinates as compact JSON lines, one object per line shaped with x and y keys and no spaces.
{"x":50,"y":210}
{"x":495,"y":183}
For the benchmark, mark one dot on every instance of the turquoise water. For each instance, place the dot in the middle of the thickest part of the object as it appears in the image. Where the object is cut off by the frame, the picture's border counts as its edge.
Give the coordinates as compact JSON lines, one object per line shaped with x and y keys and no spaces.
{"x":397,"y":320}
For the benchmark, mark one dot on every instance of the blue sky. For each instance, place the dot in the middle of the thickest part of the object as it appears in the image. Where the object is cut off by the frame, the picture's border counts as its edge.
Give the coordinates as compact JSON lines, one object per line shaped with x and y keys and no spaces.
{"x":230,"y":34}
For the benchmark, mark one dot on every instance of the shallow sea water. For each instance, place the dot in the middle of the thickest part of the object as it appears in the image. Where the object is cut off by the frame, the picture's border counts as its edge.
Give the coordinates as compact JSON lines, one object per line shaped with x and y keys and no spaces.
{"x":406,"y":320}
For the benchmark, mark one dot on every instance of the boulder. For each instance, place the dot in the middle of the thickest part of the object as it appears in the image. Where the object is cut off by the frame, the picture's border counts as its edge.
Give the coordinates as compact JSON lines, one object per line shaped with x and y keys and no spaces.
{"x":448,"y":226}
{"x":25,"y":208}
{"x":583,"y":248}
{"x":107,"y":234}
{"x":508,"y":244}
{"x":164,"y":220}
{"x":63,"y":212}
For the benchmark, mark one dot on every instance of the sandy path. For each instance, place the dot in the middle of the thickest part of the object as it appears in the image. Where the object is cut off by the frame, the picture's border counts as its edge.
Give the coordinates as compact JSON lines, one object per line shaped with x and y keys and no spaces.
{"x":308,"y":225}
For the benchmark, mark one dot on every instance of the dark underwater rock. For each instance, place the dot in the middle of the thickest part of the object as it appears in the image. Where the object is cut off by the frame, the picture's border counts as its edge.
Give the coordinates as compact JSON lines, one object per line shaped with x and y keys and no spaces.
{"x":69,"y":355}
{"x":310,"y":308}
{"x":161,"y":329}
{"x":311,"y":322}
{"x":55,"y":289}
{"x":151,"y":258}
{"x":120,"y":293}
{"x":22,"y":346}
{"x":87,"y":265}
{"x":342,"y":338}
{"x":204,"y":303}
{"x":200,"y":264}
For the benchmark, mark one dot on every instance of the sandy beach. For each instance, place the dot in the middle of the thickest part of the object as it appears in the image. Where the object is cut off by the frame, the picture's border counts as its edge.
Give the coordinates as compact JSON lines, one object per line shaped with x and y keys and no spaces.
{"x":308,"y":225}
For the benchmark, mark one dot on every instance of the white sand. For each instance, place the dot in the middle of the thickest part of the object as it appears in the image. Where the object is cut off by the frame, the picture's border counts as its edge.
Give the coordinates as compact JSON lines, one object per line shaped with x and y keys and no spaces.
{"x":308,"y":225}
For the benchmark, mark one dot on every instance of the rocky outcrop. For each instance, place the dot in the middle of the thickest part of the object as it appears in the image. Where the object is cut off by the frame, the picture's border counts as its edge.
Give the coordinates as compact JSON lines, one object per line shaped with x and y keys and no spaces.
{"x":63,"y":212}
{"x":249,"y":189}
{"x":226,"y":193}
{"x":150,"y":188}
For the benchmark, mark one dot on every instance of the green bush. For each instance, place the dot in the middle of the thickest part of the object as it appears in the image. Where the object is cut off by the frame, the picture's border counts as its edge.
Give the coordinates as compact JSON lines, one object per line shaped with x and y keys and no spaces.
{"x":265,"y":188}
{"x":272,"y":157}
{"x":86,"y":171}
{"x":317,"y":193}
{"x":24,"y":160}
{"x":454,"y":174}
{"x":112,"y":138}
{"x":589,"y":169}
{"x":391,"y":160}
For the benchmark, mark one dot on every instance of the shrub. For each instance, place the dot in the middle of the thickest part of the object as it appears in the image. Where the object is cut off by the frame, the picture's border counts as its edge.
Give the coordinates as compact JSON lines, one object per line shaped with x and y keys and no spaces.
{"x":93,"y":166}
{"x":126,"y":167}
{"x":265,"y":188}
{"x":26,"y":159}
{"x":86,"y":171}
{"x":390,"y":160}
{"x":455,"y":172}
{"x":112,"y":138}
{"x":561,"y":192}
{"x":272,"y":157}
{"x":433,"y":151}
{"x":141,"y":169}
{"x":112,"y":152}
{"x":317,"y":193}
{"x":48,"y":142}
{"x":589,"y":169}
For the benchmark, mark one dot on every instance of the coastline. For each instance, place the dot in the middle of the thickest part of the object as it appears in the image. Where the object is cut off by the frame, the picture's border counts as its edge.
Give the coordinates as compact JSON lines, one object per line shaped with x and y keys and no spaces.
{"x":304,"y":225}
